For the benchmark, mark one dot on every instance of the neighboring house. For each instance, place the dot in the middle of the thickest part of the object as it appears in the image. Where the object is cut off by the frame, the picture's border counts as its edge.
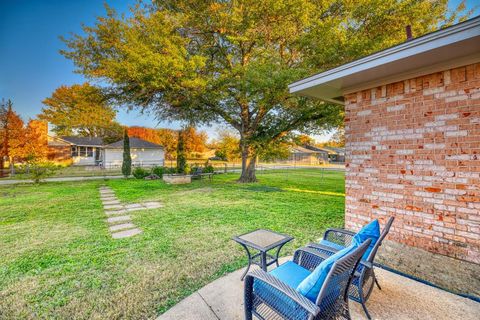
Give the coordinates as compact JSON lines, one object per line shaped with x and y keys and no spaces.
{"x":84,"y":151}
{"x":335,"y":154}
{"x":91,"y":151}
{"x":300,"y":155}
{"x":412,"y":127}
{"x":143,"y":153}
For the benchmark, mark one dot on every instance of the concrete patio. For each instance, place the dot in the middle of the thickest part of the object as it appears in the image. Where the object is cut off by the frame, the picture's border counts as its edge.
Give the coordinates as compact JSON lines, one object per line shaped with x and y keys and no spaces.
{"x":400,"y":298}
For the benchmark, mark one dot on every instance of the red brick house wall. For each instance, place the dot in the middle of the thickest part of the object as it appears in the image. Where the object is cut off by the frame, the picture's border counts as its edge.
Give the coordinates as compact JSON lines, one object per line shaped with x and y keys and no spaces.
{"x":413,"y":151}
{"x":59,"y":153}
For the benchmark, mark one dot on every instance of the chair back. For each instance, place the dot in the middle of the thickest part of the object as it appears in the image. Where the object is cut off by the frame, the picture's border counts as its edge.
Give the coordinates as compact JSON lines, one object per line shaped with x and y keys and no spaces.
{"x":333,"y":294}
{"x":384,"y":233}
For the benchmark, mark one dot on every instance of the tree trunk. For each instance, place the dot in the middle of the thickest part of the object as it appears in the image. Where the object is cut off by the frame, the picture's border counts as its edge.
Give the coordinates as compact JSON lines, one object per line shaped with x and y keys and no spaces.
{"x":249,"y":159}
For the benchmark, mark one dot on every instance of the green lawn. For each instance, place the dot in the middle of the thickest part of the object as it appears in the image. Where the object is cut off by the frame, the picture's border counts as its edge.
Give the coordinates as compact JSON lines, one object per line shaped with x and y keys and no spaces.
{"x":58,"y":259}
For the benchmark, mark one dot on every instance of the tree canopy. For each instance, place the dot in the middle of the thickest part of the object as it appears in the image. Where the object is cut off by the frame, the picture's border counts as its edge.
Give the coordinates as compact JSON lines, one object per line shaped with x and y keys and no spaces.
{"x":17,"y":141}
{"x":231,"y":61}
{"x":80,"y":109}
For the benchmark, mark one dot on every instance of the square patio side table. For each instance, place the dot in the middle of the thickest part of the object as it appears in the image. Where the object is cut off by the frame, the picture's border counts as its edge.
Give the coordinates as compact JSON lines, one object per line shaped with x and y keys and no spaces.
{"x":262,"y":240}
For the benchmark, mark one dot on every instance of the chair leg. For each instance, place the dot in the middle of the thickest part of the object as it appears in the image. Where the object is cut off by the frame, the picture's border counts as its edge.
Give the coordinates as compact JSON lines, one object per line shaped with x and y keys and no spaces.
{"x":376,"y":282}
{"x":366,"y":311}
{"x":248,"y":298}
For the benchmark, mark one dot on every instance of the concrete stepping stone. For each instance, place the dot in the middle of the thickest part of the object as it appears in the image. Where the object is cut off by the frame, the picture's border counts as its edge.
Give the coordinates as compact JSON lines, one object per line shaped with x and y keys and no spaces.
{"x":110,"y":202}
{"x":136,"y":209}
{"x":115,"y":212}
{"x":152,"y":205}
{"x":113,"y":220}
{"x":133,"y":206}
{"x":108,"y":198}
{"x":126,"y":233}
{"x":112,"y":206}
{"x":122,"y":226}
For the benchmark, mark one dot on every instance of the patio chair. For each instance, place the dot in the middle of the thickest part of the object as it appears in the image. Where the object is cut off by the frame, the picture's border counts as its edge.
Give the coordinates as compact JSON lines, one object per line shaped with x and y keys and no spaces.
{"x":312,"y":286}
{"x":364,"y":277}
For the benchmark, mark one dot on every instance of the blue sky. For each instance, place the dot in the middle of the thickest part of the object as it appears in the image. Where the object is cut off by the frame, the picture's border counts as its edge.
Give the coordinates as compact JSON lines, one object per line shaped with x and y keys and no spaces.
{"x":31,"y":67}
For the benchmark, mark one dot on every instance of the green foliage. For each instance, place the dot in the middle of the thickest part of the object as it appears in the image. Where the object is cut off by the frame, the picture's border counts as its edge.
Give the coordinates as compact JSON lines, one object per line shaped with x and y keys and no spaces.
{"x":231,"y":61}
{"x":160,"y":171}
{"x":208,"y":168}
{"x":80,"y":109}
{"x":40,"y":170}
{"x":181,"y":157}
{"x":186,"y":170}
{"x":127,"y":158}
{"x":140,"y":173}
{"x":227,"y":146}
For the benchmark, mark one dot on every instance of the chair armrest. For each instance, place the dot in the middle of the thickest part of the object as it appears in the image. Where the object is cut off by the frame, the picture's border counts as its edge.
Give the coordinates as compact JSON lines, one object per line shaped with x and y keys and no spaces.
{"x":285,"y":289}
{"x":339,"y":235}
{"x":322,"y":248}
{"x":309,"y":258}
{"x":366,"y":264}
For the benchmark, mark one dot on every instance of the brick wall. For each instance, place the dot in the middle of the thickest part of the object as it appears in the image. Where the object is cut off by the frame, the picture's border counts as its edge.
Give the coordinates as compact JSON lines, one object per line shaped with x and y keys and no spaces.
{"x":59,"y":153}
{"x":413,"y":151}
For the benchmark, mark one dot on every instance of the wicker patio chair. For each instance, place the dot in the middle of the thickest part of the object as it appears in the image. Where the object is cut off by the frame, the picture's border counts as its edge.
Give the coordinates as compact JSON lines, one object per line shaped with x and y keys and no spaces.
{"x":364,"y":277}
{"x":269,"y":296}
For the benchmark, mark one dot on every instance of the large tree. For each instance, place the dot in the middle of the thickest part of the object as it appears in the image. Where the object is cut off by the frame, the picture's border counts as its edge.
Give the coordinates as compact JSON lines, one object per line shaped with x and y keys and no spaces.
{"x":231,"y":61}
{"x":80,"y":109}
{"x":12,"y":134}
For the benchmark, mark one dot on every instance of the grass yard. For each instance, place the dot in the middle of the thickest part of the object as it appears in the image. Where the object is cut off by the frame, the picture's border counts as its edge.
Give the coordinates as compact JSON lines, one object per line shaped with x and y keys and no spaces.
{"x":59,"y":261}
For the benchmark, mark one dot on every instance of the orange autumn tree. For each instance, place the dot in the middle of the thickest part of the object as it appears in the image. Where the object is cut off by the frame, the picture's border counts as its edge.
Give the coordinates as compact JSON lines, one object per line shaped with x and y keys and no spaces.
{"x":194,"y":140}
{"x":168,"y":139}
{"x":20,"y":142}
{"x":147,"y":134}
{"x":14,"y":136}
{"x":36,"y":141}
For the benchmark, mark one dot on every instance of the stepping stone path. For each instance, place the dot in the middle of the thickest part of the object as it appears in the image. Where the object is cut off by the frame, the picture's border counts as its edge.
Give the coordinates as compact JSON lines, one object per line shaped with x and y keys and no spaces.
{"x":120,"y":223}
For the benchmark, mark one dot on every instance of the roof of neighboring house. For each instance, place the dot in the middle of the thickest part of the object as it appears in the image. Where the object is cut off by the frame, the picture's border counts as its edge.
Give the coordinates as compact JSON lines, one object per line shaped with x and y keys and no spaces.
{"x":448,"y":48}
{"x":317,"y":149}
{"x":298,"y":149}
{"x":83,"y":141}
{"x":135,"y":143}
{"x":335,"y":149}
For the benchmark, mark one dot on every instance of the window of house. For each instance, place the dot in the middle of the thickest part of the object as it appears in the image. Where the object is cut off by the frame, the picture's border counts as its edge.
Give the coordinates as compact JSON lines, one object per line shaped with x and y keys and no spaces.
{"x":89,"y":152}
{"x":83,"y":151}
{"x":74,"y":151}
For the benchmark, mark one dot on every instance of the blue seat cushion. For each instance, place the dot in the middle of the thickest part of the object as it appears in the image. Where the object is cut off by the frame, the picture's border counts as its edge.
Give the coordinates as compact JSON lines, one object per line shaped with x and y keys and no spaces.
{"x":332,"y":245}
{"x":369,"y":231}
{"x":291,"y":274}
{"x":311,"y":285}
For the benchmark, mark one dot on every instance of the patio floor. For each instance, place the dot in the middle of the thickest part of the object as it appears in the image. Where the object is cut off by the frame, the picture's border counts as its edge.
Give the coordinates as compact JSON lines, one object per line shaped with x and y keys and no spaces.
{"x":400,"y":298}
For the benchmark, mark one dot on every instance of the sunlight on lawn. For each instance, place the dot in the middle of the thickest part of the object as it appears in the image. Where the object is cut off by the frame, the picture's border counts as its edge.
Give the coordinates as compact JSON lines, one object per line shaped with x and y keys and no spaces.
{"x":60,"y":261}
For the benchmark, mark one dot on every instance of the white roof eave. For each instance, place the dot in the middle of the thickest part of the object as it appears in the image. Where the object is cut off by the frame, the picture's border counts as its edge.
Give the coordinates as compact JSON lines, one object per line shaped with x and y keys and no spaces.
{"x":333,"y":83}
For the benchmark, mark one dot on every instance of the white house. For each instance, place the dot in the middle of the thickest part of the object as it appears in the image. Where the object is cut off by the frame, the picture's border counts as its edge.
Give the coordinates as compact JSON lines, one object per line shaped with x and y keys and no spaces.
{"x":143,"y":153}
{"x":92,"y":151}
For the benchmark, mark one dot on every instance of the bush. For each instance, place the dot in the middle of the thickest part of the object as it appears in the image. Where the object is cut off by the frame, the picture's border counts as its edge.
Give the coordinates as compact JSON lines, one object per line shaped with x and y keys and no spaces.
{"x":140,"y":173}
{"x":41,"y":170}
{"x":160,"y":171}
{"x":208,"y":168}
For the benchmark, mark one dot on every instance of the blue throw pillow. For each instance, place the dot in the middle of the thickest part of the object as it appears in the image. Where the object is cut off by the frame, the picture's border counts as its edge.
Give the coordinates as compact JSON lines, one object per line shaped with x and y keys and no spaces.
{"x":369,"y":231}
{"x":311,"y":285}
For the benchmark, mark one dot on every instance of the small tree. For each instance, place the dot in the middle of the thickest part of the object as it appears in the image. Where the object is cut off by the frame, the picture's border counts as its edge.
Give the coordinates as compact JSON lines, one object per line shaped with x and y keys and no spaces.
{"x":127,"y":158}
{"x":40,"y":170}
{"x":181,"y":159}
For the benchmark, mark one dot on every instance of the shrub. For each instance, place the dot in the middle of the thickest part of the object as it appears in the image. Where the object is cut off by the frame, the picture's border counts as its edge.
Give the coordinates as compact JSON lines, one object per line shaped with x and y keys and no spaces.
{"x":160,"y":171}
{"x":140,"y":173}
{"x":41,"y":170}
{"x":208,"y":168}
